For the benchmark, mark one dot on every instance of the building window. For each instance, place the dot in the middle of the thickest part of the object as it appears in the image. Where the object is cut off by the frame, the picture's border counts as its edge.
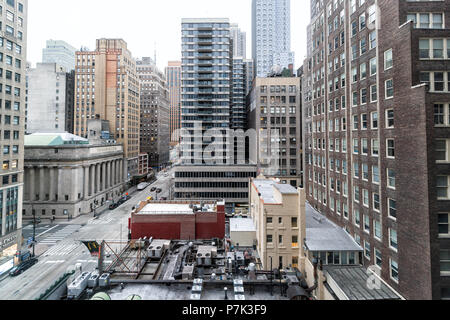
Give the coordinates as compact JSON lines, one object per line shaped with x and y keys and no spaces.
{"x":390,"y":148}
{"x":269,"y":238}
{"x":389,"y":119}
{"x":442,"y":187}
{"x":393,"y":244}
{"x":376,"y":202}
{"x":392,"y":205}
{"x":443,"y":224}
{"x":442,"y":114}
{"x":389,"y":86}
{"x":394,"y":270}
{"x":442,"y":150}
{"x":388,"y":59}
{"x":367,"y":250}
{"x":391,"y":178}
{"x":445,"y":262}
{"x":378,"y":258}
{"x":377,"y":229}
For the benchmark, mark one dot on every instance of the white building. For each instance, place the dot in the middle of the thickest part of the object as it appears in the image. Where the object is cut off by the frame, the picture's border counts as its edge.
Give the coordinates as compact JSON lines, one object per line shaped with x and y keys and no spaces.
{"x":271,"y":35}
{"x":60,"y":52}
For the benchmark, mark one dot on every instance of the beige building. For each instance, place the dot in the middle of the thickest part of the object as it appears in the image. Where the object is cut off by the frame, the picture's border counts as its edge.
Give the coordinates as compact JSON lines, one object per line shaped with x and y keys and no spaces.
{"x":107,"y":87}
{"x":274,"y":111}
{"x":278,"y":211}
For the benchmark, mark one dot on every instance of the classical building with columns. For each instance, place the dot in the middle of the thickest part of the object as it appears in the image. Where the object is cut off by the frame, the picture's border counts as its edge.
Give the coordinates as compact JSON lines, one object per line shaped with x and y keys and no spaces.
{"x":67,"y":176}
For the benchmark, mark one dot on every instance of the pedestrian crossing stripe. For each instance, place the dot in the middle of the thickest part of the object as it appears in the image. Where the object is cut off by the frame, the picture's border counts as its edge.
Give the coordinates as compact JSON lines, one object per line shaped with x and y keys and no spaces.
{"x":61,"y":250}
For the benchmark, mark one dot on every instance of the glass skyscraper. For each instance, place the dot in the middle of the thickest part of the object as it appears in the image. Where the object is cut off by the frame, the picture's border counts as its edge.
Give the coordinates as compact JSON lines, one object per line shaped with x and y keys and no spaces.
{"x":271,"y":23}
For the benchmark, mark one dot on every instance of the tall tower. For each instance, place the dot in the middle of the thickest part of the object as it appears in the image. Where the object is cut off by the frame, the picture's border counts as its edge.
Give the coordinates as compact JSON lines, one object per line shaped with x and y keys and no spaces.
{"x":12,"y":112}
{"x":271,"y":23}
{"x":377,"y":139}
{"x":173,"y":77}
{"x":107,"y":87}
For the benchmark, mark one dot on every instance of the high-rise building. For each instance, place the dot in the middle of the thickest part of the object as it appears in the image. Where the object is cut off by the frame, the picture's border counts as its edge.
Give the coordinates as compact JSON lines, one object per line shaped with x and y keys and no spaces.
{"x":154,"y":130}
{"x":249,"y":74}
{"x":59,"y":52}
{"x":107,"y":87}
{"x":239,"y":89}
{"x":14,"y":20}
{"x":173,"y":77}
{"x":275,"y":113}
{"x":271,"y":23}
{"x":50,"y":99}
{"x":239,"y":41}
{"x":376,"y":112}
{"x":207,"y":151}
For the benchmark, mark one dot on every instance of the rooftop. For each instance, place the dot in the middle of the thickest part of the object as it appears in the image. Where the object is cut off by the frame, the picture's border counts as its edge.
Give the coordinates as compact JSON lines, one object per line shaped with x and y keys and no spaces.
{"x":353,"y":283}
{"x":175,"y":207}
{"x":53,"y":139}
{"x":324,"y":235}
{"x":266,"y":189}
{"x":242,"y":225}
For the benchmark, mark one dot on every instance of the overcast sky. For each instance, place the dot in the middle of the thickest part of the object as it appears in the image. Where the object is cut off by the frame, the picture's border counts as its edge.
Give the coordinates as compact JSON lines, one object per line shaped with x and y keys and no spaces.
{"x":143,"y":24}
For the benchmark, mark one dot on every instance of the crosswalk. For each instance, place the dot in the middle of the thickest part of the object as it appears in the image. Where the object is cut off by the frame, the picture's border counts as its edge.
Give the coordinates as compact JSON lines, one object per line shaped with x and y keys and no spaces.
{"x":62,"y":249}
{"x":100,"y":221}
{"x":60,"y":235}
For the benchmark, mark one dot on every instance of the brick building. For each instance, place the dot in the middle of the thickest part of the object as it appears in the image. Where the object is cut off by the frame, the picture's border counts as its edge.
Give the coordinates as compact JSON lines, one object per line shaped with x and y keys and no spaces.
{"x":178,"y":220}
{"x":376,"y":113}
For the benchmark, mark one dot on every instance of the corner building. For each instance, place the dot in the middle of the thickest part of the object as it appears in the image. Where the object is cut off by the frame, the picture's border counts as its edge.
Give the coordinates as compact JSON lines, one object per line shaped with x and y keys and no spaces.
{"x":376,"y":116}
{"x":13,"y":51}
{"x":107,"y":87}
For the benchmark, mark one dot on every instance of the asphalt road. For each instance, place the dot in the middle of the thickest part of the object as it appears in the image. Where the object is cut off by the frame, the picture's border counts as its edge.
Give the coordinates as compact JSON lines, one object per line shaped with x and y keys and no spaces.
{"x":67,"y":250}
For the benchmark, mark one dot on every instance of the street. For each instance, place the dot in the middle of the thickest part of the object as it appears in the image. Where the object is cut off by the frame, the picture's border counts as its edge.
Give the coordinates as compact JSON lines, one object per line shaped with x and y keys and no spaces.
{"x":59,"y":245}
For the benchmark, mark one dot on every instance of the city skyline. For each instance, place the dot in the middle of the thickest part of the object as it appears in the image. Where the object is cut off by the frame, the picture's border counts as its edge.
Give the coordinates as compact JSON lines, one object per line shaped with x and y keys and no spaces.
{"x":85,"y":34}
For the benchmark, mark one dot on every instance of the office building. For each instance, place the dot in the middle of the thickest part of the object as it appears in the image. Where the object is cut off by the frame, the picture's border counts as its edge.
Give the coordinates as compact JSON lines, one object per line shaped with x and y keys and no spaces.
{"x":271,"y":24}
{"x":49,"y":99}
{"x":274,"y":111}
{"x":376,"y":115}
{"x":249,"y":75}
{"x":238,"y":93}
{"x":14,"y":21}
{"x":155,"y":109}
{"x":173,"y":77}
{"x":59,"y":52}
{"x":207,"y":148}
{"x":107,"y":87}
{"x":279,"y":214}
{"x":239,"y":39}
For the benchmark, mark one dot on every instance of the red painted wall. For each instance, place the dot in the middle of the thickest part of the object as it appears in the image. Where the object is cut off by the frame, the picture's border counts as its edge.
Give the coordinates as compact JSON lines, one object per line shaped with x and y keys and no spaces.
{"x":201,"y":226}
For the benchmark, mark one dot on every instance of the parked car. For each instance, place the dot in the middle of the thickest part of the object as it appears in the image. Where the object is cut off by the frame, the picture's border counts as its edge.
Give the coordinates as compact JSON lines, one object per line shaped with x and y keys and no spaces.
{"x":23,"y":267}
{"x":158,"y":190}
{"x":113,"y":206}
{"x":163,"y":199}
{"x":153,"y":189}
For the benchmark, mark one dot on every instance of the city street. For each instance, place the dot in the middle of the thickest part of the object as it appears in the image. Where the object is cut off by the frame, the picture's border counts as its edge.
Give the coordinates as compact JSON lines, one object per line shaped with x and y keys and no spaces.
{"x":59,"y":245}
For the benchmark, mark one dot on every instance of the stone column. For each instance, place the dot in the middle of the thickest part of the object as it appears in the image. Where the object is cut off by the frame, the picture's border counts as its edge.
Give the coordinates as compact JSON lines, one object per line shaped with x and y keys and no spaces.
{"x":60,"y":185}
{"x":52,"y":183}
{"x":86,"y":182}
{"x":31,"y":189}
{"x":75,"y":183}
{"x":42,"y":184}
{"x":3,"y":214}
{"x":108,"y":175}
{"x":92,"y":168}
{"x":97,"y":168}
{"x":19,"y":216}
{"x":104,"y":176}
{"x":113,"y":173}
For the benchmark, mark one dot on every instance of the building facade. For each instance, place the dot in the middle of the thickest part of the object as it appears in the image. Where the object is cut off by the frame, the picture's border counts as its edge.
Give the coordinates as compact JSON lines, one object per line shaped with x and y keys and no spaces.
{"x":178,"y":220}
{"x":155,"y":113}
{"x":279,"y":214}
{"x":66,"y":176}
{"x":239,"y":39}
{"x":238,"y":100}
{"x":50,"y":99}
{"x":275,"y":113}
{"x":173,"y":77}
{"x":14,"y":20}
{"x":207,"y":149}
{"x":107,"y":87}
{"x":271,"y":23}
{"x":249,"y":74}
{"x":376,"y":134}
{"x":59,"y":52}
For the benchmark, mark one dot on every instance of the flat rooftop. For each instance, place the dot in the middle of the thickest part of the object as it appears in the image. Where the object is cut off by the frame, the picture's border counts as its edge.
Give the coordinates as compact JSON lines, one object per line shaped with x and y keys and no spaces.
{"x":353,"y":283}
{"x":242,"y":225}
{"x":267,"y":188}
{"x":174,"y":208}
{"x":324,"y":235}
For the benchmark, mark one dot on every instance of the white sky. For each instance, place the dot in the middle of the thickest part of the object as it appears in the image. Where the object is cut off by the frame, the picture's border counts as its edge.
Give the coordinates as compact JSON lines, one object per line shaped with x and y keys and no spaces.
{"x":143,"y":23}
